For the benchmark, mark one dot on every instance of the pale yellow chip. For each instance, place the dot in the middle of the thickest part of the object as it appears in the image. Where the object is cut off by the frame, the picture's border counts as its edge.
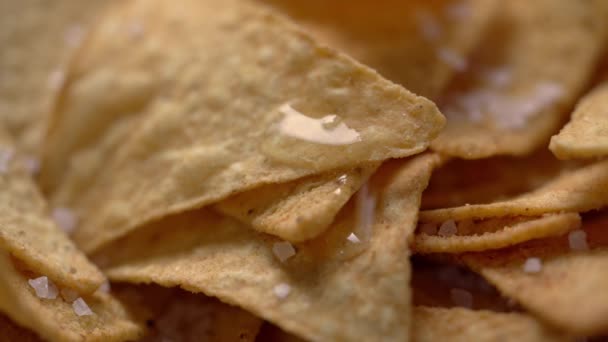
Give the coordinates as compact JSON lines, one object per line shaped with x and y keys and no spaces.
{"x":343,"y":285}
{"x":530,"y":229}
{"x":586,"y":135}
{"x":37,"y":39}
{"x":176,"y":315}
{"x":28,"y":232}
{"x":464,"y":325}
{"x":516,"y":93}
{"x":56,"y":319}
{"x":579,"y":190}
{"x":568,"y":290}
{"x":213,"y":122}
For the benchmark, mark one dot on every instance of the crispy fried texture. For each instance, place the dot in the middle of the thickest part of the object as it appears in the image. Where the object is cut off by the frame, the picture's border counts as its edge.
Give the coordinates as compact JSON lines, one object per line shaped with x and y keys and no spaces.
{"x":209,"y":125}
{"x":339,"y":290}
{"x":517,"y":93}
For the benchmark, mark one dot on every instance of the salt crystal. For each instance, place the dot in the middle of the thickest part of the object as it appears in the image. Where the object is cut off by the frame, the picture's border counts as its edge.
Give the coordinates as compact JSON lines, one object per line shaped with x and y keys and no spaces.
{"x":282,"y":290}
{"x":6,"y":155}
{"x":283,"y":250}
{"x":366,"y":210}
{"x":81,"y":308}
{"x":104,"y":287}
{"x":73,"y":35}
{"x":353,"y":238}
{"x":32,"y":165}
{"x":532,"y":265}
{"x":428,"y":25}
{"x":43,"y":287}
{"x":448,"y":228}
{"x":65,"y":219}
{"x":461,"y":297}
{"x":69,"y":295}
{"x":428,"y":228}
{"x":451,"y":58}
{"x":577,"y":240}
{"x":342,"y":179}
{"x":338,"y":191}
{"x":499,"y":77}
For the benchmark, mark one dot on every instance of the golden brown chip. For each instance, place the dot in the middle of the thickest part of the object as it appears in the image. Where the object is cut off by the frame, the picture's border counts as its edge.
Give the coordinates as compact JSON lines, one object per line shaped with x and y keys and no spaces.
{"x":530,"y":229}
{"x":577,"y":190}
{"x":565,"y":285}
{"x":418,"y":44}
{"x":28,"y":232}
{"x":343,"y":285}
{"x":213,"y":122}
{"x":37,"y":39}
{"x":176,"y":315}
{"x":457,"y":324}
{"x":56,"y":319}
{"x":517,"y":93}
{"x":586,"y":135}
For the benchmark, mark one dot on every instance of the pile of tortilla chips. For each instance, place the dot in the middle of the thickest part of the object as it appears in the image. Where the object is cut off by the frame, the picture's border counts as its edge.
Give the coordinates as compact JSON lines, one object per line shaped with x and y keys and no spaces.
{"x":264,"y":170}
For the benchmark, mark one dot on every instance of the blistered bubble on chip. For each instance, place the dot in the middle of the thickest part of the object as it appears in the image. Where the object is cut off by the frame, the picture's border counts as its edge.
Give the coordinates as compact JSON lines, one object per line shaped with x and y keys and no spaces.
{"x":282,"y":290}
{"x":461,"y":297}
{"x":577,"y":240}
{"x":448,"y":228}
{"x":283,"y":250}
{"x":44,"y":287}
{"x":81,"y":308}
{"x":65,"y":219}
{"x":532,"y":265}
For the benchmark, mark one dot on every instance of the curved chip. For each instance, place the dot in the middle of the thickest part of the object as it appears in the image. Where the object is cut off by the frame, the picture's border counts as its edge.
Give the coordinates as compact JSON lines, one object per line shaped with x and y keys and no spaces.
{"x":530,"y":229}
{"x":579,"y":190}
{"x":586,"y":135}
{"x":340,"y":286}
{"x":517,"y":93}
{"x":570,"y":278}
{"x":213,"y":123}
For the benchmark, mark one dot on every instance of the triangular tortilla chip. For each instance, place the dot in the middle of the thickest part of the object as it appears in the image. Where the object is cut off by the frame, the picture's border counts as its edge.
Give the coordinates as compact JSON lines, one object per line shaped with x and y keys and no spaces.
{"x":214,"y":122}
{"x":56,"y":319}
{"x":517,"y":93}
{"x":177,"y":315}
{"x":530,"y":229}
{"x":463,"y":325}
{"x":569,"y":289}
{"x":586,"y":135}
{"x":28,"y":232}
{"x":37,"y":39}
{"x":579,"y":190}
{"x":339,"y":287}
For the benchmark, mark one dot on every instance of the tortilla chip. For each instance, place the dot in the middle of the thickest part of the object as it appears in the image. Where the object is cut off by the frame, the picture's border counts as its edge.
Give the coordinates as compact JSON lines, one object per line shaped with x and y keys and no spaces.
{"x":37,"y":39}
{"x":568,"y":282}
{"x":12,"y":332}
{"x":586,"y":136}
{"x":55,"y":319}
{"x":176,"y":315}
{"x":580,"y":190}
{"x":418,"y":44}
{"x":28,"y":232}
{"x":517,"y":93}
{"x":340,"y":288}
{"x":530,"y":229}
{"x":458,"y":324}
{"x":212,"y":126}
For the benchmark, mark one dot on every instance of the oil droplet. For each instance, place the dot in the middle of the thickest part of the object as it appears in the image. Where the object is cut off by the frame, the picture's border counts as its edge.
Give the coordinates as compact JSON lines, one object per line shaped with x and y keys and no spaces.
{"x":328,"y":130}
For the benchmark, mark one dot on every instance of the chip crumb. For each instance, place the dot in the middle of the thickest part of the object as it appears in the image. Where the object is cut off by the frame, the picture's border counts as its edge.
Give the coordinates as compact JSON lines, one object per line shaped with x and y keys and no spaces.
{"x":65,"y":219}
{"x":461,"y":297}
{"x":283,"y":250}
{"x":532,"y":265}
{"x":69,"y":295}
{"x":43,"y":287}
{"x":282,"y":290}
{"x":577,"y":240}
{"x":81,"y":308}
{"x":448,"y":228}
{"x":353,"y":238}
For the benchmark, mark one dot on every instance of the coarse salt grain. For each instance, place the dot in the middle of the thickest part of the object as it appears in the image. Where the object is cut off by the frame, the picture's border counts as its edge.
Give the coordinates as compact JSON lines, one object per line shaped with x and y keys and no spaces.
{"x":532,"y":265}
{"x":69,"y":295}
{"x":353,"y":238}
{"x":282,"y":290}
{"x":461,"y":297}
{"x":448,"y":228}
{"x":342,"y":179}
{"x":81,"y":308}
{"x":6,"y":155}
{"x":65,"y":219}
{"x":451,"y":58}
{"x":283,"y":250}
{"x":577,"y":240}
{"x":43,"y":287}
{"x":428,"y":228}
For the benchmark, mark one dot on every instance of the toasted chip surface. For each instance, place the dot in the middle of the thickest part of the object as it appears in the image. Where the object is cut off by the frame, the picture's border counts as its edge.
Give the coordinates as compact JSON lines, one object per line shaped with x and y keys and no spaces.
{"x":339,"y":289}
{"x":568,"y":281}
{"x":578,"y":190}
{"x":458,"y":324}
{"x":516,"y":94}
{"x":586,"y":135}
{"x":535,"y":228}
{"x":55,"y":319}
{"x":221,"y":126}
{"x":28,"y":232}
